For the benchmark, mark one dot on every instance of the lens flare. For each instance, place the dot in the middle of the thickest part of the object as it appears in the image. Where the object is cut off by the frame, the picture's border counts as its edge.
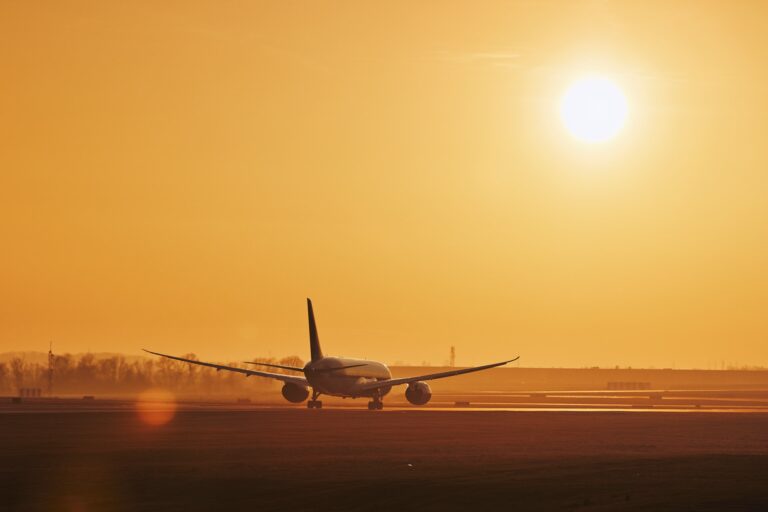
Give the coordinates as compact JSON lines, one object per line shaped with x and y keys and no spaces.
{"x":156,"y":407}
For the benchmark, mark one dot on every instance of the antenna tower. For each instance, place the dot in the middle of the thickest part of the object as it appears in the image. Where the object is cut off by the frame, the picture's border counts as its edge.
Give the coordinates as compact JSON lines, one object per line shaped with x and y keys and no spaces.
{"x":50,"y":369}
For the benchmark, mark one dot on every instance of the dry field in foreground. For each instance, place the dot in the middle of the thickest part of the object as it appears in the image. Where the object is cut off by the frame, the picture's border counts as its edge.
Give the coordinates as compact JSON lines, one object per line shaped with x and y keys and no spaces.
{"x":343,"y":459}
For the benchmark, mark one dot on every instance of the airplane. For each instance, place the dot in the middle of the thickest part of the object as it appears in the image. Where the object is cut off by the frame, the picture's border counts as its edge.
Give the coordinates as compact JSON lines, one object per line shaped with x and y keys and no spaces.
{"x":342,"y":377}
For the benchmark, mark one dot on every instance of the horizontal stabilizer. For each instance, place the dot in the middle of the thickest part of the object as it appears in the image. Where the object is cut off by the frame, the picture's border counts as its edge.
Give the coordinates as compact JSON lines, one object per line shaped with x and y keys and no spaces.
{"x":316,"y":370}
{"x":292,"y":368}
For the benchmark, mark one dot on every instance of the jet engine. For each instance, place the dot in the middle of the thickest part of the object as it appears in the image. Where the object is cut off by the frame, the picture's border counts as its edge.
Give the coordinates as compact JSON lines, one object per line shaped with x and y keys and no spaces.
{"x":294,"y":392}
{"x":418,"y":393}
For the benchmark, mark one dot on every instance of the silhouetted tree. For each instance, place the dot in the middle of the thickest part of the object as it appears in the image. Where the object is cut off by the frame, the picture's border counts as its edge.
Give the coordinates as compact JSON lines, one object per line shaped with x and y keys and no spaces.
{"x":17,"y":371}
{"x":4,"y":384}
{"x":114,"y":374}
{"x":192,"y":371}
{"x":86,"y":369}
{"x":106,"y":371}
{"x":292,"y":361}
{"x":168,"y":372}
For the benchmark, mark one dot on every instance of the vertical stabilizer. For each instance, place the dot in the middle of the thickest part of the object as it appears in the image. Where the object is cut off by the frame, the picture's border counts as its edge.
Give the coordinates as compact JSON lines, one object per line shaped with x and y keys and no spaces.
{"x":314,"y":341}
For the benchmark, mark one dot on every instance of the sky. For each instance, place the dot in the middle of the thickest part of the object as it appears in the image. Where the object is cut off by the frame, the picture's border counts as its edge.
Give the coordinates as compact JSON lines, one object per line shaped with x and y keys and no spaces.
{"x":180,"y":176}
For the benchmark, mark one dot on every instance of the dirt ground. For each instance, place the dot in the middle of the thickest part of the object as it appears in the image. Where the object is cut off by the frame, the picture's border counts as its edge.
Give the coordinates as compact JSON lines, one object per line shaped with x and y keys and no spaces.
{"x":348,"y":459}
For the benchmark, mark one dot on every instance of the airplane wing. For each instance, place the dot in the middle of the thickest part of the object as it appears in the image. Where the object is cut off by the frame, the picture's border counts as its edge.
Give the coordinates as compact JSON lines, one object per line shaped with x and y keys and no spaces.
{"x":430,"y":376}
{"x":279,"y":376}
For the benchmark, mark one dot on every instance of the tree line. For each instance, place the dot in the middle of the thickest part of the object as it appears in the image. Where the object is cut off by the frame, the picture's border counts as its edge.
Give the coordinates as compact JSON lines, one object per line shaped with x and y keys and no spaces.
{"x":90,"y":375}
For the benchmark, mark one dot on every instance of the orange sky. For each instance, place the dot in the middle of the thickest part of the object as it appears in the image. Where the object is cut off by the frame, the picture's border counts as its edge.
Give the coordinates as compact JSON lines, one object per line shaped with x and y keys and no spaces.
{"x":181,"y":175}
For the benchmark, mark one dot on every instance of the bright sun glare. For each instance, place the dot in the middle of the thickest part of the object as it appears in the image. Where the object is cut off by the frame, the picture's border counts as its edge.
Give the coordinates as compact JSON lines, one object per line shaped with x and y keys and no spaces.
{"x":593,"y":109}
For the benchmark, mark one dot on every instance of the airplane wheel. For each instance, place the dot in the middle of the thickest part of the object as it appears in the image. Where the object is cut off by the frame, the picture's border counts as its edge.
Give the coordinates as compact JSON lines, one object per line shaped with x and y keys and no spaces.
{"x":318,"y":404}
{"x":371,"y":406}
{"x":310,"y":405}
{"x":380,"y":406}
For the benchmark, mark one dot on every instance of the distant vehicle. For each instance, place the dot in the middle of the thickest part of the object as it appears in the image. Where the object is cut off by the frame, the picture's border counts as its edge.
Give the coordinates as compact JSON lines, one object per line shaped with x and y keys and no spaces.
{"x":337,"y":376}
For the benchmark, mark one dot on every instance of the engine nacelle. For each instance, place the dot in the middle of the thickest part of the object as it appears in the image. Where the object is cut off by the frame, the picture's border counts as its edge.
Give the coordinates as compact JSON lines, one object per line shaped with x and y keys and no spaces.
{"x":294,"y":392}
{"x":418,"y":393}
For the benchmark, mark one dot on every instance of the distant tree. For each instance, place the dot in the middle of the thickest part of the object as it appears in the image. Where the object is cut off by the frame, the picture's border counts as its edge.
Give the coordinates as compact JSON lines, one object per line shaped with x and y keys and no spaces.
{"x":260,"y":382}
{"x":62,"y":364}
{"x":120,"y":367}
{"x":86,"y":370}
{"x":17,"y":371}
{"x":192,"y":371}
{"x":292,"y":361}
{"x":146,"y":371}
{"x":106,"y":371}
{"x":169,"y":373}
{"x":4,"y":377}
{"x":87,"y":373}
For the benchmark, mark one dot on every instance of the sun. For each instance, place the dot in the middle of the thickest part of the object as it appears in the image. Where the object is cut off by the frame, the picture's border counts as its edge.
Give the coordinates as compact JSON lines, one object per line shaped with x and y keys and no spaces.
{"x":593,"y":109}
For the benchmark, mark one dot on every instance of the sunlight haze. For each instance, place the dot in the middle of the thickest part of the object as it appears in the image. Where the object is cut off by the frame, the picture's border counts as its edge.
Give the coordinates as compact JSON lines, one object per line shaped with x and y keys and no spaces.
{"x":180,"y":176}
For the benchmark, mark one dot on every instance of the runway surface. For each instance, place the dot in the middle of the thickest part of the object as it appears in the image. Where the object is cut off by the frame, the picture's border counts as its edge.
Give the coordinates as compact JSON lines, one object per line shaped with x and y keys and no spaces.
{"x":206,"y":457}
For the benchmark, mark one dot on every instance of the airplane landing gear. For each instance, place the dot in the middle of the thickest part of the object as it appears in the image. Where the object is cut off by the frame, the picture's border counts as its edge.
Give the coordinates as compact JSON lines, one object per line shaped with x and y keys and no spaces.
{"x":314,"y":403}
{"x":375,"y":405}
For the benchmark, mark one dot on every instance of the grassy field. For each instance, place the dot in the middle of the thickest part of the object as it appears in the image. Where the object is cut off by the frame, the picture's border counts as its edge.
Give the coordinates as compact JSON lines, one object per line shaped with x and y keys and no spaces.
{"x":270,"y":459}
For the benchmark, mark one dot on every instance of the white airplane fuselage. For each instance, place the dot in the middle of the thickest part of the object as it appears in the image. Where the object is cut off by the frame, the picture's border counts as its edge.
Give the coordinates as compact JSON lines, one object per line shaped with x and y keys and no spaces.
{"x":345,"y":382}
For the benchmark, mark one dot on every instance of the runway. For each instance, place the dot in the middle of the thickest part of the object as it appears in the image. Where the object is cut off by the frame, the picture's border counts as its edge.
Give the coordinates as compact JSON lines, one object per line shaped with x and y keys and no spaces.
{"x":208,"y":456}
{"x":711,"y":401}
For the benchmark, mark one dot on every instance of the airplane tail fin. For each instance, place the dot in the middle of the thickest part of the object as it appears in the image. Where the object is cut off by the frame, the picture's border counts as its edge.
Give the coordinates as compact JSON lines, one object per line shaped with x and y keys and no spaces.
{"x":314,"y":341}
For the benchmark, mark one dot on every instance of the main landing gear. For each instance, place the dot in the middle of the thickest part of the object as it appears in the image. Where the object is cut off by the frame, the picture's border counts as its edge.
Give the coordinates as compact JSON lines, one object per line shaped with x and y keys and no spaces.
{"x":314,"y":403}
{"x":375,"y":404}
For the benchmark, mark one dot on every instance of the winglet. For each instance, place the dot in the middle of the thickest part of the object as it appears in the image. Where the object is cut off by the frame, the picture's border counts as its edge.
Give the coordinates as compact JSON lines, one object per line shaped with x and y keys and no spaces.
{"x":314,"y":341}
